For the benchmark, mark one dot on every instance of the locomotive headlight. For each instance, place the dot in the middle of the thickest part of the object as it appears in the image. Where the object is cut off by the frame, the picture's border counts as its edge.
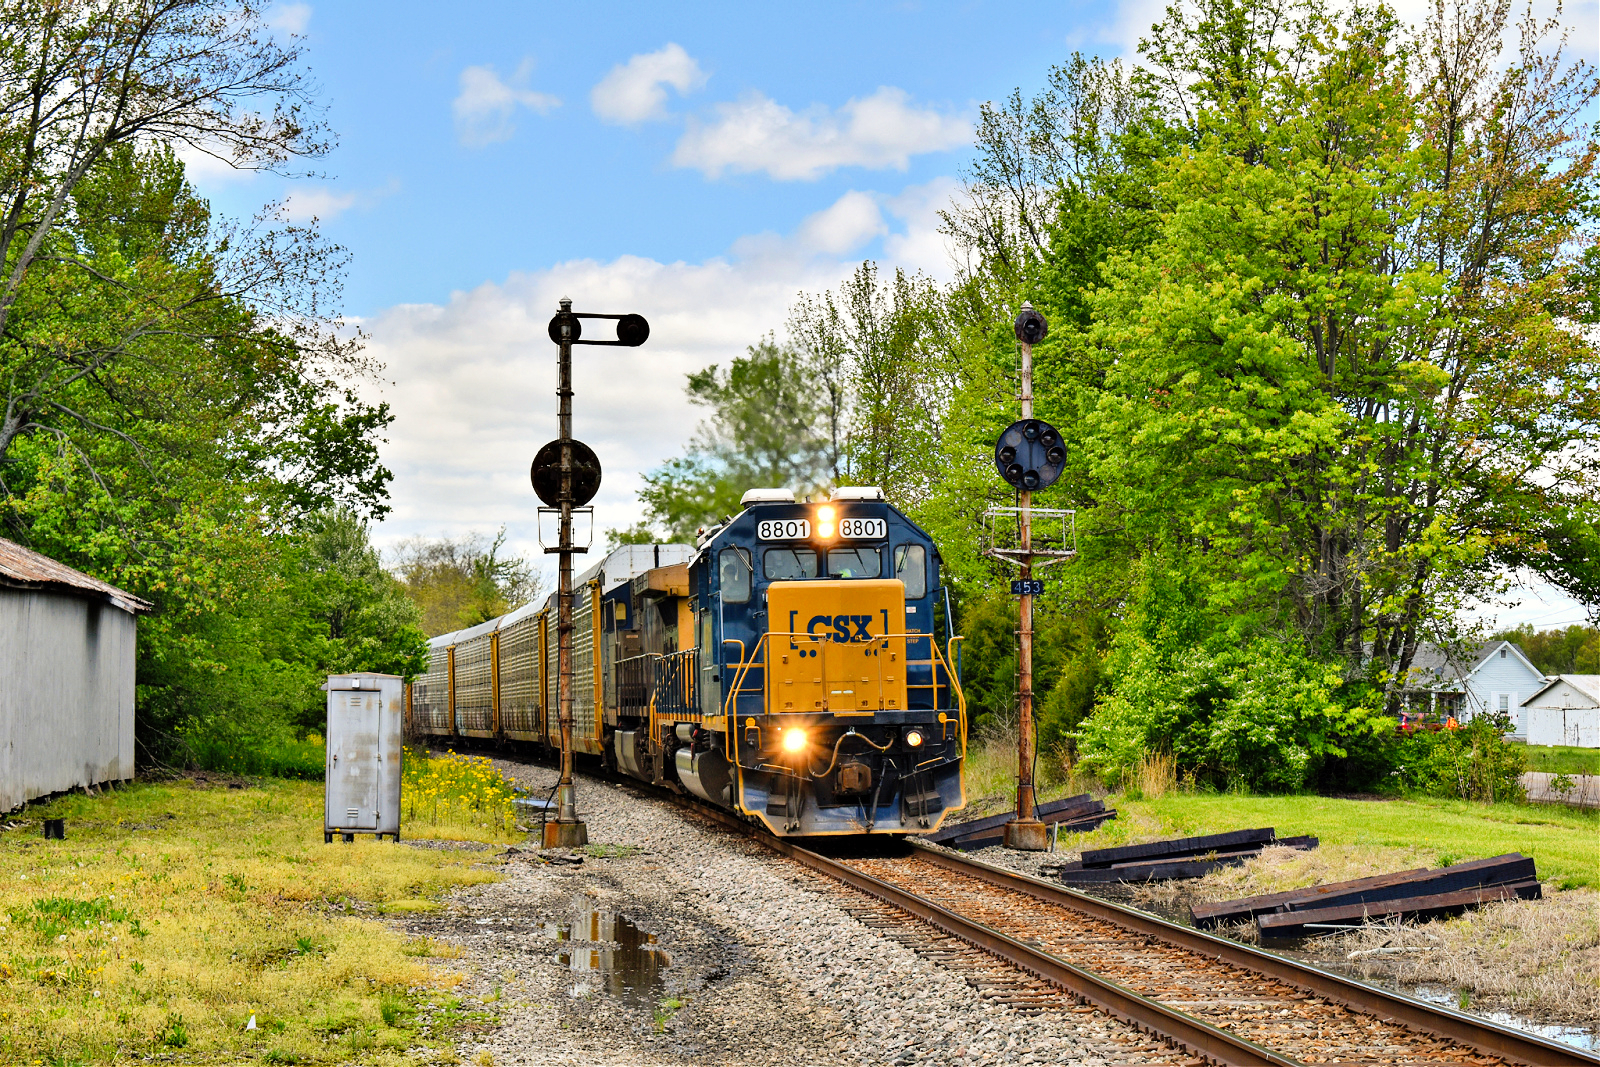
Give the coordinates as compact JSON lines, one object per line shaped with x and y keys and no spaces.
{"x":794,"y":740}
{"x":914,"y":738}
{"x":825,"y":521}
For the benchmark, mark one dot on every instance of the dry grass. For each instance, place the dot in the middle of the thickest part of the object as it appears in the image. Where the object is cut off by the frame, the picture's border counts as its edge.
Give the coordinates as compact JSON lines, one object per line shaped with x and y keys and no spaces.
{"x":174,"y":912}
{"x":1156,"y":775}
{"x":990,"y":775}
{"x":1534,"y":957}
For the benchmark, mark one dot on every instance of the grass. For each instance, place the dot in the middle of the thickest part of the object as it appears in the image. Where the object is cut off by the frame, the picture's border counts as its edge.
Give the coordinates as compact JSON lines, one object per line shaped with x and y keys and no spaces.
{"x":1563,"y":759}
{"x":1562,"y":841}
{"x":1537,"y":957}
{"x":173,"y":912}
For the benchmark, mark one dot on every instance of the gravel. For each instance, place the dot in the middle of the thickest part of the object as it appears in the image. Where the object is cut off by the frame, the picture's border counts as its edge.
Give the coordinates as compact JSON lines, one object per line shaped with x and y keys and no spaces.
{"x":756,"y":960}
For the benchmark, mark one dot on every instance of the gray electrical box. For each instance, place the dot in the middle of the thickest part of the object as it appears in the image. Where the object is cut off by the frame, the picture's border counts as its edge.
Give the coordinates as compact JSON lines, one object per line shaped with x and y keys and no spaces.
{"x":365,"y":712}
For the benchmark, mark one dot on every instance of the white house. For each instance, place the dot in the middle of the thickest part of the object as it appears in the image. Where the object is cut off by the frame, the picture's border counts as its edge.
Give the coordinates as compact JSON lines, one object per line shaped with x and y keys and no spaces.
{"x":1495,"y":677}
{"x":1566,"y":712}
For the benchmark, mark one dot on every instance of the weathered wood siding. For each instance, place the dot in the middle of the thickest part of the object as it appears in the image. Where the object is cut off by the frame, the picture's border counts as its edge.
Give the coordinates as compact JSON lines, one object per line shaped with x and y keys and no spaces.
{"x":66,"y":693}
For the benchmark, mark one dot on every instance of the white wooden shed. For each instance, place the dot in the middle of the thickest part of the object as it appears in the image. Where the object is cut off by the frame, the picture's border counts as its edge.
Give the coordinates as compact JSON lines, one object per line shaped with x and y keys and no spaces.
{"x":66,"y":677}
{"x":1566,"y":712}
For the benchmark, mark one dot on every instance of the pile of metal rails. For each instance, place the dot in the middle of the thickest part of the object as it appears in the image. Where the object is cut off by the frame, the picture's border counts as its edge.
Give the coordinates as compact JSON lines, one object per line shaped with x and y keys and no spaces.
{"x":1183,"y":857}
{"x":1077,"y":815}
{"x":1420,"y":894}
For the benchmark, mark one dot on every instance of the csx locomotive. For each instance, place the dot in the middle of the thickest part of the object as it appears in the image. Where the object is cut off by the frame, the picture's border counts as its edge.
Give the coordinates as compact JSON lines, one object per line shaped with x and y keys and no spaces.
{"x":797,"y":665}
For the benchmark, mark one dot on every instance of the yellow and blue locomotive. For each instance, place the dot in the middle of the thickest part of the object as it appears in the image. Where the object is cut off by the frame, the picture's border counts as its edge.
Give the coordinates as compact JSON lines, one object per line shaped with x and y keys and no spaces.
{"x":797,"y":666}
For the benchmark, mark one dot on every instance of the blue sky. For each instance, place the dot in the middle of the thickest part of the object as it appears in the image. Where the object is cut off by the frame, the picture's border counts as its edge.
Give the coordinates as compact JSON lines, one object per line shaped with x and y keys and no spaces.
{"x":701,"y":164}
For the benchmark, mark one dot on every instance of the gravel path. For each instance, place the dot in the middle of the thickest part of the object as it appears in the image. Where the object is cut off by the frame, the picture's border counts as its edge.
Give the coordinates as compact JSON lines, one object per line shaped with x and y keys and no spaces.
{"x":755,"y":960}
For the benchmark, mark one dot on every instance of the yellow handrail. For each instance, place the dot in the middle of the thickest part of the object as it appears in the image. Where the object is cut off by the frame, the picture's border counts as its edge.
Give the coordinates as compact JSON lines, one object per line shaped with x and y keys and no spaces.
{"x":744,"y":666}
{"x":955,"y":684}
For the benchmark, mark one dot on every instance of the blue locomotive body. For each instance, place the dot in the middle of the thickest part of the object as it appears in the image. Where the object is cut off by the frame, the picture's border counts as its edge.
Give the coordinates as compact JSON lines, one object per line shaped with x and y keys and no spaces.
{"x":797,"y":667}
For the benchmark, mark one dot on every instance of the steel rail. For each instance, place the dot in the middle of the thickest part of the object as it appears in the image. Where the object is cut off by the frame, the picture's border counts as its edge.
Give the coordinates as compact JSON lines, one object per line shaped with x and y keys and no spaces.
{"x":1481,"y":1034}
{"x":1144,"y":1013}
{"x":1151,"y":1016}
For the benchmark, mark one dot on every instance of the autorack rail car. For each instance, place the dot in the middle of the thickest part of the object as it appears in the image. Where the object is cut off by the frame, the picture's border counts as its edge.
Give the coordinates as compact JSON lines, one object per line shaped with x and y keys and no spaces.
{"x":797,"y":665}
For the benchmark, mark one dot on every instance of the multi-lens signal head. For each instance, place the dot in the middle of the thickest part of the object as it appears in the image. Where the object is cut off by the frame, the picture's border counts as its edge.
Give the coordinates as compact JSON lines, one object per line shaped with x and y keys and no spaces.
{"x":1029,"y":454}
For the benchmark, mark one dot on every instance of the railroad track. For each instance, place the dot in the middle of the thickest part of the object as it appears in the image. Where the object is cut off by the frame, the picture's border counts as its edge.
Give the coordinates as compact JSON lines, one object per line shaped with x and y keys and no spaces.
{"x":1198,"y":995}
{"x":1215,"y":999}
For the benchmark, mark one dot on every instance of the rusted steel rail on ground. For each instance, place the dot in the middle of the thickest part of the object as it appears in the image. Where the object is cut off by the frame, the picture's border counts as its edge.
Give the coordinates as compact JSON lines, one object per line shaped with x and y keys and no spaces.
{"x":1326,"y":1018}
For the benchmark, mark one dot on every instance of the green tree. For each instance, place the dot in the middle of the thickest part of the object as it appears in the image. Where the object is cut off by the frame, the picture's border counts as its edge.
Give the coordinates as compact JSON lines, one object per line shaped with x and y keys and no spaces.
{"x":1317,"y":374}
{"x":762,"y":431}
{"x":458,"y":582}
{"x":639,"y":533}
{"x":880,"y":350}
{"x":1572,"y":650}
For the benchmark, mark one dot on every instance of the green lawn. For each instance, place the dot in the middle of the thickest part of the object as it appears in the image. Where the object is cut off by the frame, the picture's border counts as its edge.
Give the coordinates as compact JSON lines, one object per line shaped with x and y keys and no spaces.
{"x":1563,"y":759}
{"x":1564,"y":842}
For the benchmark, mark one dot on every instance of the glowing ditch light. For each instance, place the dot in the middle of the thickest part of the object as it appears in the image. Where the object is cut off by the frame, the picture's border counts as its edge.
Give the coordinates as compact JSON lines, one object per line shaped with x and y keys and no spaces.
{"x":794,"y":740}
{"x":914,"y":738}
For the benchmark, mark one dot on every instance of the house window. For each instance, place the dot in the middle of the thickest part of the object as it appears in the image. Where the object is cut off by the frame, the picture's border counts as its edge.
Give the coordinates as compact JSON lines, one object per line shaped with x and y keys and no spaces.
{"x":1502,"y":656}
{"x":1505,"y":703}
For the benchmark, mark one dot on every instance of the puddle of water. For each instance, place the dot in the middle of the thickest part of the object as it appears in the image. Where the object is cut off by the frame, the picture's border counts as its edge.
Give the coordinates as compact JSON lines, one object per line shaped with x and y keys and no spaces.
{"x":613,"y":955}
{"x":1576,"y":1036}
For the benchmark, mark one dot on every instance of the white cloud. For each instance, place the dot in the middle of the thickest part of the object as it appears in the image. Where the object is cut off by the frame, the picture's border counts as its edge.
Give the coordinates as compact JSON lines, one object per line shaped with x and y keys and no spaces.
{"x":290,"y":18}
{"x":635,"y":91}
{"x":326,"y":204}
{"x":485,"y":106}
{"x":474,"y":378}
{"x":755,"y":133}
{"x":203,"y":168}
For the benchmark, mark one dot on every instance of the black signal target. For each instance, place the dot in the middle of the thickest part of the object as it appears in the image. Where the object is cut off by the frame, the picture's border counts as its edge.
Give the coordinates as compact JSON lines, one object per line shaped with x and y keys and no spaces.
{"x":546,"y":474}
{"x":1029,"y":454}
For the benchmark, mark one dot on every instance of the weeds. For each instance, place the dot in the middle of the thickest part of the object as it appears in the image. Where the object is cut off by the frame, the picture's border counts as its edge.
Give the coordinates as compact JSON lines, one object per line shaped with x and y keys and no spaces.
{"x":174,"y":1034}
{"x":452,"y":789}
{"x":1534,"y":957}
{"x":267,"y":757}
{"x":665,"y":1010}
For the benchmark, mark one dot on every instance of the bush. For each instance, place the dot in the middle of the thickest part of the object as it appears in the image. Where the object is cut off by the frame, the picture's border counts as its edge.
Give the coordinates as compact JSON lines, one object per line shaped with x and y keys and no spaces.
{"x":274,"y":758}
{"x":1473,"y":762}
{"x":1263,"y":715}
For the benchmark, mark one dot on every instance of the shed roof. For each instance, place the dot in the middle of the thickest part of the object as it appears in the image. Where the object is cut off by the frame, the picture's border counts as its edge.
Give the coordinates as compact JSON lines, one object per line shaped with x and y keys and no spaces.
{"x":1586,"y":685}
{"x":23,"y":568}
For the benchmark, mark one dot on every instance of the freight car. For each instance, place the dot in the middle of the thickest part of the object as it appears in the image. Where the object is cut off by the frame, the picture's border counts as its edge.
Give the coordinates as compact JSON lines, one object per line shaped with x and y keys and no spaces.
{"x":796,"y":665}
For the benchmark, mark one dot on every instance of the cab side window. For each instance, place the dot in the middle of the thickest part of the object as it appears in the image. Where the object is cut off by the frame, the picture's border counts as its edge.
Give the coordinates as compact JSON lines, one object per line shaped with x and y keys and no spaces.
{"x":733,"y":575}
{"x":911,"y":567}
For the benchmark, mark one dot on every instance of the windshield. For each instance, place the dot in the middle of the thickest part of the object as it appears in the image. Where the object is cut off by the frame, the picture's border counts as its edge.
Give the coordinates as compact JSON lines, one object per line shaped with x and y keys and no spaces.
{"x":785,"y":563}
{"x":853,"y":563}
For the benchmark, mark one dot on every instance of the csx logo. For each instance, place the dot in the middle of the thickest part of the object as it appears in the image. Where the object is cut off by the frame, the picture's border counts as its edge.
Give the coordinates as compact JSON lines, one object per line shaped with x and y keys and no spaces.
{"x":844,"y":627}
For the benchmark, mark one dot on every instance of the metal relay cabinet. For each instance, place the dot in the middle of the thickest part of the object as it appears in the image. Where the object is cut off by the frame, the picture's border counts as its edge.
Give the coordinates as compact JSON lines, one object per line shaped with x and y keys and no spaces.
{"x":362,"y":794}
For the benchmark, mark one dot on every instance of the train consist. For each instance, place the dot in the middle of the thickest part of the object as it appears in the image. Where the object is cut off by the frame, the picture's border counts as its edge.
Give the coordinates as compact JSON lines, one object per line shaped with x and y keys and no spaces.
{"x":796,"y":665}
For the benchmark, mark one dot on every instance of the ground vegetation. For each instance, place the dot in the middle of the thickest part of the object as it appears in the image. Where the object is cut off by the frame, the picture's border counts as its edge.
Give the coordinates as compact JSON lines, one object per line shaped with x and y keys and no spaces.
{"x":175,"y":912}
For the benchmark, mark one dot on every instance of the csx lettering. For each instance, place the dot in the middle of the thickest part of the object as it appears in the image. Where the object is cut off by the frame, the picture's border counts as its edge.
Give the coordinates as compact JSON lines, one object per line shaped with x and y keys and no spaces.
{"x":840,"y":625}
